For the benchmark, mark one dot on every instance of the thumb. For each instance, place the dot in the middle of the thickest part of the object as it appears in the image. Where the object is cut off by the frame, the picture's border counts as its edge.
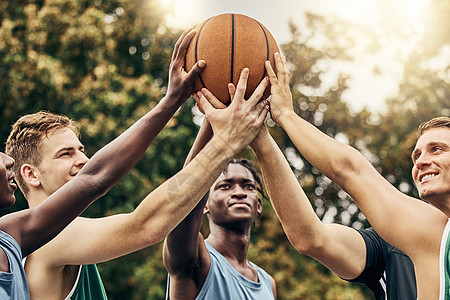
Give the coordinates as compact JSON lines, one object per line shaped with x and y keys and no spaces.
{"x":203,"y":104}
{"x":196,"y":69}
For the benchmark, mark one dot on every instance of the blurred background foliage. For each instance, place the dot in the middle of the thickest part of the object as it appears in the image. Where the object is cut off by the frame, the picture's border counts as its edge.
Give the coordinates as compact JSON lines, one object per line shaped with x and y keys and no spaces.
{"x":105,"y":64}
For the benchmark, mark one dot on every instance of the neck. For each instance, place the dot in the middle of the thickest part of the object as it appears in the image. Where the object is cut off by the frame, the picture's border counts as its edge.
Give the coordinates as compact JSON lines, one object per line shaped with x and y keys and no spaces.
{"x":231,"y":244}
{"x":35,"y":197}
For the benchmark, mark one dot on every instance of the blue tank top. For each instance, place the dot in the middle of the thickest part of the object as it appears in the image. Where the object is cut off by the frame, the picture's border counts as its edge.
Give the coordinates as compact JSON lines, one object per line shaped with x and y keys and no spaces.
{"x":223,"y":282}
{"x":13,"y":284}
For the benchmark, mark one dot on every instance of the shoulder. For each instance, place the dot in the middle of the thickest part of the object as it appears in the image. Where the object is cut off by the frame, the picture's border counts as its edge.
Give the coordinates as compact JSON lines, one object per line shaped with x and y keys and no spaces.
{"x":51,"y":256}
{"x":17,"y":225}
{"x":4,"y":261}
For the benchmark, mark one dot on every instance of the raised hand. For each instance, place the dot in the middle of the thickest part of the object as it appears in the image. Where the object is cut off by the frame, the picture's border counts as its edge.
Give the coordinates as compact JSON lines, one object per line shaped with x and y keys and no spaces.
{"x":281,"y":97}
{"x":181,"y":83}
{"x":239,"y":123}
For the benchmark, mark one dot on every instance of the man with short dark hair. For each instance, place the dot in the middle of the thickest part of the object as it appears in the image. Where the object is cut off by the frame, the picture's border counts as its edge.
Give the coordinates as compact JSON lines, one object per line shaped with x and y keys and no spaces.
{"x":217,"y":267}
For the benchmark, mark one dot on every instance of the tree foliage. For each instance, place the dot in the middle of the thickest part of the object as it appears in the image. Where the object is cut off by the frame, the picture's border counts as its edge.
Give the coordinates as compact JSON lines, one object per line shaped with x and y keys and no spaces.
{"x":105,"y":63}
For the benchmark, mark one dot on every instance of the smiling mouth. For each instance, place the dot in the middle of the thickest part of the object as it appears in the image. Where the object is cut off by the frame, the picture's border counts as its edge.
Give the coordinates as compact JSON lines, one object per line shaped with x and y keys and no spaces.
{"x":12,"y":182}
{"x":11,"y":178}
{"x":428,"y":176}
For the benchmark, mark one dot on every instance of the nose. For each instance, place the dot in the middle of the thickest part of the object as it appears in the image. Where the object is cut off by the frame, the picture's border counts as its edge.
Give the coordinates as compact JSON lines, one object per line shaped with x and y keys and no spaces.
{"x":422,"y":161}
{"x":238,"y":192}
{"x":8,"y":161}
{"x":82,"y":159}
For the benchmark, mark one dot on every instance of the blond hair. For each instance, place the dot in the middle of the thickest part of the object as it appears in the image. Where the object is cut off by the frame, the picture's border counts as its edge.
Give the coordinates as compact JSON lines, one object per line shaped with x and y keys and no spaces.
{"x":25,"y":139}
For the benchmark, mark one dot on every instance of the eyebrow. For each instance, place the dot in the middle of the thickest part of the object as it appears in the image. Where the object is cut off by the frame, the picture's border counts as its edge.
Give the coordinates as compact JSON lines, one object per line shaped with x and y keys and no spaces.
{"x":429,"y":145}
{"x":81,"y":147}
{"x":229,"y":180}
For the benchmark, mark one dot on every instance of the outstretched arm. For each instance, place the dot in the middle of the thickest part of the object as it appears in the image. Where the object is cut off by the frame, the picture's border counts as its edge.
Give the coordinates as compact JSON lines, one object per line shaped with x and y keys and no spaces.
{"x":416,"y":223}
{"x":185,"y":254}
{"x":106,"y":167}
{"x":185,"y":239}
{"x":339,"y":248}
{"x":184,"y":245}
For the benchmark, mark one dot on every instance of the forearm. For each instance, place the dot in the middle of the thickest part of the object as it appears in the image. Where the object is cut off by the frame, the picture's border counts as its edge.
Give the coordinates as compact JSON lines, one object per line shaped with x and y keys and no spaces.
{"x":379,"y":200}
{"x":176,"y":198}
{"x":181,"y":242}
{"x":114,"y":160}
{"x":204,"y":135}
{"x":339,"y":248}
{"x":102,"y":171}
{"x":299,"y":221}
{"x":339,"y":162}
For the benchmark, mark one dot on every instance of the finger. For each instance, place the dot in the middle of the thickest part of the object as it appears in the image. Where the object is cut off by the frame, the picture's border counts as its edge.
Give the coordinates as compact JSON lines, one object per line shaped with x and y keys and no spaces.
{"x":285,"y":70}
{"x":280,"y":67}
{"x":196,"y":70}
{"x":272,"y":76}
{"x":203,"y":104}
{"x":231,"y":90}
{"x":212,"y":99}
{"x":259,"y":91}
{"x":196,"y":97}
{"x":180,"y":39}
{"x":242,"y":85}
{"x":262,"y":108}
{"x":181,"y":50}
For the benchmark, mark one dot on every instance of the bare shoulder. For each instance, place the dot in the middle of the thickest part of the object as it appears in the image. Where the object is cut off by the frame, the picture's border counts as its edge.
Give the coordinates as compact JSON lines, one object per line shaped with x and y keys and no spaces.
{"x":4,"y":262}
{"x":274,"y":286}
{"x":52,"y":255}
{"x":188,"y":280}
{"x":16,"y":225}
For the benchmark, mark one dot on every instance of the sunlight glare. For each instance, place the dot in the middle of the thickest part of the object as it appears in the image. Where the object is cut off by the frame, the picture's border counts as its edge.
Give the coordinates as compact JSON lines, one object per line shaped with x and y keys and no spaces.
{"x":413,"y":8}
{"x":185,"y":12}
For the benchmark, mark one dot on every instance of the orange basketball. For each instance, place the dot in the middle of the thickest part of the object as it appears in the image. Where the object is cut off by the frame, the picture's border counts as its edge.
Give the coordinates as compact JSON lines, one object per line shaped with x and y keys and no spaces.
{"x":228,"y":43}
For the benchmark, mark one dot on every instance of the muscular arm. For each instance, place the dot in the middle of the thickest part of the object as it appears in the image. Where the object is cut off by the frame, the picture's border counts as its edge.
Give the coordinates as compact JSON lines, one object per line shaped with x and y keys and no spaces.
{"x":185,"y":255}
{"x":184,"y":247}
{"x":339,"y":248}
{"x":40,"y":224}
{"x":385,"y":207}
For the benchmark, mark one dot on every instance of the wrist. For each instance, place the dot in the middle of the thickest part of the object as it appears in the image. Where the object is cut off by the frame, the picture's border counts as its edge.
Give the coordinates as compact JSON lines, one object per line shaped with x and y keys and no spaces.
{"x":262,"y":147}
{"x":286,"y":117}
{"x":171,"y":101}
{"x":259,"y":142}
{"x":223,"y":147}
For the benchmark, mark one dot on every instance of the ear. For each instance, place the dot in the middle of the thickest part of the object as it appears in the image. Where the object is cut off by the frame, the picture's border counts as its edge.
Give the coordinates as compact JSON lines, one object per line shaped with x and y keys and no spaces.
{"x":259,"y":207}
{"x":206,"y":210}
{"x":30,"y":174}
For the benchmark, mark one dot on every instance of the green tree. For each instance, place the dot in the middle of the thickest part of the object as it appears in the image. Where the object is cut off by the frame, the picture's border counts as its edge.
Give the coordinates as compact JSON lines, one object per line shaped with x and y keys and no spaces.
{"x":104,"y":63}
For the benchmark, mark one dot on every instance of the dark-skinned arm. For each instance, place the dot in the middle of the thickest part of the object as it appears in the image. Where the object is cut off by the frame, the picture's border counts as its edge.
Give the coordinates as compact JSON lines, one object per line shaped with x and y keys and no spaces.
{"x":34,"y":227}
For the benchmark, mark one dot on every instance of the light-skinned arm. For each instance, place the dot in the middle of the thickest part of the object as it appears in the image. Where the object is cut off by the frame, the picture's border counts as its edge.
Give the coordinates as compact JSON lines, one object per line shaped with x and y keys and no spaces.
{"x":163,"y":208}
{"x":185,"y":246}
{"x":40,"y":224}
{"x":408,"y":224}
{"x":339,"y":248}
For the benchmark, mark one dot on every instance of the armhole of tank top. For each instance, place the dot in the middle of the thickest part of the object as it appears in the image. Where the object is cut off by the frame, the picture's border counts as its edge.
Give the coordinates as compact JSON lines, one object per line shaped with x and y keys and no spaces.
{"x":74,"y":285}
{"x":442,"y":254}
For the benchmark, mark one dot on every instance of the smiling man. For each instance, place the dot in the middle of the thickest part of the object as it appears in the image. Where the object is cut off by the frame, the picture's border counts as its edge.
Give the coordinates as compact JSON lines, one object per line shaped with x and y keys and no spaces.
{"x":49,"y":154}
{"x":416,"y":228}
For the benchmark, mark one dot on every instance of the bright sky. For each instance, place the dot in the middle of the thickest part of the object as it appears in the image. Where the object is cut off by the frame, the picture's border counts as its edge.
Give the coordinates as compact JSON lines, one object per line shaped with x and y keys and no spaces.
{"x":366,"y":88}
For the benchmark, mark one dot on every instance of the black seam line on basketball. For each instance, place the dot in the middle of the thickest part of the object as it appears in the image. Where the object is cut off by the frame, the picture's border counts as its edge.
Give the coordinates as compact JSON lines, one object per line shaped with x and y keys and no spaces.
{"x":196,"y":50}
{"x":232,"y":47}
{"x":267,"y":46}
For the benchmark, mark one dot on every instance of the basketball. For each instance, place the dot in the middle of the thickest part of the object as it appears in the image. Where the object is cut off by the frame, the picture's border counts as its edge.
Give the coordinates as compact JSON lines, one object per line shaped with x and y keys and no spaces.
{"x":229,"y":43}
